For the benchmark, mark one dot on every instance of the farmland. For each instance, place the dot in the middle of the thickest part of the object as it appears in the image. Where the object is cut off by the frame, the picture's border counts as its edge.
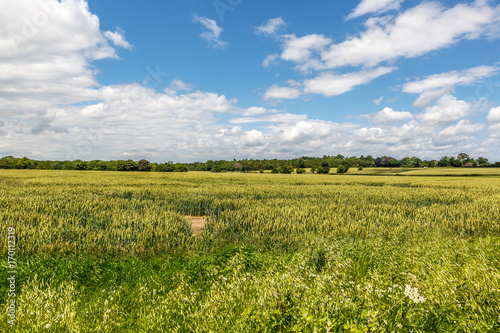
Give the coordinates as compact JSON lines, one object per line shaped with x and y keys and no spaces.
{"x":114,"y":251}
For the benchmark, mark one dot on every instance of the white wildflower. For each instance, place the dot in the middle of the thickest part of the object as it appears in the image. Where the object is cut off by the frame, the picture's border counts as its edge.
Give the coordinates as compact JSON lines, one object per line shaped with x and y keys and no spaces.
{"x":412,"y":293}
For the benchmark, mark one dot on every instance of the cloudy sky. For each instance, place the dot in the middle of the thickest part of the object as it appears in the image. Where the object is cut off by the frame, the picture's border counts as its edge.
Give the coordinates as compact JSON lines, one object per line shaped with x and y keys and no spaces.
{"x":196,"y":80}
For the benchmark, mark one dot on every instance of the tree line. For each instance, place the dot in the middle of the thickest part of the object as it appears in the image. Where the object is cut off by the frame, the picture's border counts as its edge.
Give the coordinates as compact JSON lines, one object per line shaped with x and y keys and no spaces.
{"x":315,"y":164}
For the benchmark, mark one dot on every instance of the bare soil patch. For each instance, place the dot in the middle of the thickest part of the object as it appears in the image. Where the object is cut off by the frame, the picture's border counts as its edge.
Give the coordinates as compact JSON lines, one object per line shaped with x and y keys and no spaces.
{"x":197,"y":223}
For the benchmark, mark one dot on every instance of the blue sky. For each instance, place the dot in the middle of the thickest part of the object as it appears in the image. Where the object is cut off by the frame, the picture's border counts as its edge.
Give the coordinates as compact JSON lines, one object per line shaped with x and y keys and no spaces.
{"x":197,"y":80}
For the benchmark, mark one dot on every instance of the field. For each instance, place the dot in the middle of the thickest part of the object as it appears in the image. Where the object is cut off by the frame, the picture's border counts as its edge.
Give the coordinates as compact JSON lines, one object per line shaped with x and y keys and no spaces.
{"x":413,"y":251}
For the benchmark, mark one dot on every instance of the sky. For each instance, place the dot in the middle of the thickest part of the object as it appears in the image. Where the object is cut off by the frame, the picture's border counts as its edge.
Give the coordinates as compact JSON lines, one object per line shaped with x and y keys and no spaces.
{"x":195,"y":80}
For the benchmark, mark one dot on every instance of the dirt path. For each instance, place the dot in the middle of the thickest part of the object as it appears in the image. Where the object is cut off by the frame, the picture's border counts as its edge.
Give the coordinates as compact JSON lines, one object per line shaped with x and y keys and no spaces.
{"x":197,"y":223}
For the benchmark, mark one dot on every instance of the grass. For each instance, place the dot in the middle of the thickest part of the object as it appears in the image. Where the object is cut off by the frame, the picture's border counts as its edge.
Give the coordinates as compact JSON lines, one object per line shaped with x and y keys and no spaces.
{"x":113,"y":252}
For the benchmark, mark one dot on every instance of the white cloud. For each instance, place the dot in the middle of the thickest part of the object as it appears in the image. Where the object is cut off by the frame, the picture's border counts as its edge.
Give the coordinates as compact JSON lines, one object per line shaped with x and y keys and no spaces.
{"x":495,"y":131}
{"x":180,"y":85}
{"x":213,"y":33}
{"x":494,"y":115}
{"x":446,"y":110}
{"x":465,"y":77}
{"x":118,"y":39}
{"x":329,"y":84}
{"x":463,"y":127}
{"x":374,"y":6}
{"x":276,"y":92}
{"x":271,"y":26}
{"x":47,"y":62}
{"x":378,"y":100}
{"x":415,"y":32}
{"x":270,"y":59}
{"x":52,"y":106}
{"x":388,"y":115}
{"x":304,"y":50}
{"x":426,"y":98}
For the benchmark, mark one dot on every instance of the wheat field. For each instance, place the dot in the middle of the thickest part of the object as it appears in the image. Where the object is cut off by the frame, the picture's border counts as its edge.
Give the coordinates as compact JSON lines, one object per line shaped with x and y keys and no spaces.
{"x":114,"y":252}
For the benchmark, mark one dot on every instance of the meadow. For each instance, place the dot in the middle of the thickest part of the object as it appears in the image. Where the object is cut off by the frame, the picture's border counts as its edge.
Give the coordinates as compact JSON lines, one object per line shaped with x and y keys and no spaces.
{"x":369,"y":251}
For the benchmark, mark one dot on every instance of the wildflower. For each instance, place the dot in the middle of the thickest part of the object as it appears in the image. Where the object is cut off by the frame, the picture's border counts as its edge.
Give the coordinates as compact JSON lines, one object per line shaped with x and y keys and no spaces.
{"x":412,"y":293}
{"x":47,"y":326}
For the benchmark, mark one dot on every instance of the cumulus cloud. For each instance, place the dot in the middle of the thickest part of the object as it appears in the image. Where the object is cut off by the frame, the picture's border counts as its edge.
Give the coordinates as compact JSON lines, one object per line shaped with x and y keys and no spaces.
{"x":427,"y":97}
{"x":53,"y":107}
{"x":304,"y":50}
{"x":463,"y":127}
{"x":424,"y":28}
{"x":271,"y":26}
{"x":47,"y":62}
{"x":374,"y":6}
{"x":213,"y":33}
{"x":388,"y":115}
{"x":118,"y":39}
{"x":443,"y":80}
{"x":494,"y":115}
{"x":446,"y":110}
{"x":329,"y":84}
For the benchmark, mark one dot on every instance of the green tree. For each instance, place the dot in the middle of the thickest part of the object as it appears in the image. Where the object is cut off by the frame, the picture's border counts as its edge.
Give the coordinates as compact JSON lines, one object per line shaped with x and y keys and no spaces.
{"x":216,"y":168}
{"x":144,"y":165}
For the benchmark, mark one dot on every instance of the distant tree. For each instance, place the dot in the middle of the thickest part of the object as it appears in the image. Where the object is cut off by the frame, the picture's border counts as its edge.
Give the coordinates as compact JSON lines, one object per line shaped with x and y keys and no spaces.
{"x":23,"y":163}
{"x":393,"y":163}
{"x":274,"y":170}
{"x":482,"y":161}
{"x":286,"y":169}
{"x":101,"y":165}
{"x":216,"y":168}
{"x":302,"y":163}
{"x":416,"y":162}
{"x":457,"y":163}
{"x":360,"y":168}
{"x":300,"y":171}
{"x":497,"y":164}
{"x":314,"y":168}
{"x":179,"y":167}
{"x":406,"y":162}
{"x":378,"y":161}
{"x":444,"y":161}
{"x":463,"y":157}
{"x":144,"y":165}
{"x":342,"y":168}
{"x":320,"y":169}
{"x":130,"y":165}
{"x":238,"y":166}
{"x":79,"y":165}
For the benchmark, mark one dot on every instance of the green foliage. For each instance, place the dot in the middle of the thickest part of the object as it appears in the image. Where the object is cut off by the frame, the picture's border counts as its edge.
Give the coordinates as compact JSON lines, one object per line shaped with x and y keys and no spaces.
{"x":360,"y":168}
{"x":216,"y":168}
{"x":286,"y":169}
{"x":144,"y":165}
{"x":300,"y":171}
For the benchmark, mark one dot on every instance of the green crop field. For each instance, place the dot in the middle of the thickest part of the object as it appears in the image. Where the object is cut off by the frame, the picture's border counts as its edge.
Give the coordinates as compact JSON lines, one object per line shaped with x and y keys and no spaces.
{"x":374,"y":251}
